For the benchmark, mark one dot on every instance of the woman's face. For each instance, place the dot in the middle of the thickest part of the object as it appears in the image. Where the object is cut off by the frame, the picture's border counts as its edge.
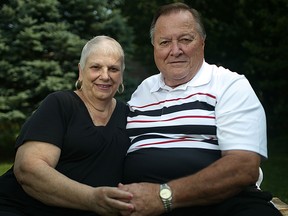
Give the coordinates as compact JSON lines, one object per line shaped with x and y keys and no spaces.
{"x":101,"y":75}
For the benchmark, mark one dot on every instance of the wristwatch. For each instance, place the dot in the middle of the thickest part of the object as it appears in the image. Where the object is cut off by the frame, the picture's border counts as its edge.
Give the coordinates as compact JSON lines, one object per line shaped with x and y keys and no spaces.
{"x":166,"y":196}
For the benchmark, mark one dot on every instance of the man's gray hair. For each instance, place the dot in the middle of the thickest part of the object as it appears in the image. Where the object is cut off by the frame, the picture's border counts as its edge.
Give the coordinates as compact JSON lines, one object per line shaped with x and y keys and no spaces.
{"x":177,"y":7}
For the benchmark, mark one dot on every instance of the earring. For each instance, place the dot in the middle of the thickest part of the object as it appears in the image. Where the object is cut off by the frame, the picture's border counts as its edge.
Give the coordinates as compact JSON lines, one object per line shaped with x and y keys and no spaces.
{"x":78,"y":85}
{"x":121,"y":88}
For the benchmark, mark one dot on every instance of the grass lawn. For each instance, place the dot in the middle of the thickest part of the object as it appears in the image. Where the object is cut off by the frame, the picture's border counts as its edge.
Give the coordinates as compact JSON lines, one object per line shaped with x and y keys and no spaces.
{"x":275,"y":169}
{"x":4,"y":167}
{"x":276,"y":177}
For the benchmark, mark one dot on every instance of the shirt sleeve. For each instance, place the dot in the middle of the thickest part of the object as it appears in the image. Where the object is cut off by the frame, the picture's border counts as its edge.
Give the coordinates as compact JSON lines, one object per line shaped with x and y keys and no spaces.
{"x":240,"y":118}
{"x":46,"y":124}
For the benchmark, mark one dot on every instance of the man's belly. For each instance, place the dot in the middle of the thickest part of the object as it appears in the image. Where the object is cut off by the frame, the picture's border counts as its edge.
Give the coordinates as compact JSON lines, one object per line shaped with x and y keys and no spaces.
{"x":160,"y":165}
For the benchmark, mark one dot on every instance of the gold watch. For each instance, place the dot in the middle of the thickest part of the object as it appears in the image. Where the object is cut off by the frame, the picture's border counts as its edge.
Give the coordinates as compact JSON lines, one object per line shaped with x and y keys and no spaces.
{"x":166,"y":196}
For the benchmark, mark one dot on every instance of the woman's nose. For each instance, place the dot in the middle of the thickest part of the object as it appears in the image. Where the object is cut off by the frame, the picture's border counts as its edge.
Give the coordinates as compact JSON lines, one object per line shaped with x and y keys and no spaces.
{"x":105,"y":74}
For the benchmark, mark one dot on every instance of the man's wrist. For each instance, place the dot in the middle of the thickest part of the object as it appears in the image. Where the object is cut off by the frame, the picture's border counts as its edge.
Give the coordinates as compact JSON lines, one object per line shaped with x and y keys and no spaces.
{"x":166,"y":197}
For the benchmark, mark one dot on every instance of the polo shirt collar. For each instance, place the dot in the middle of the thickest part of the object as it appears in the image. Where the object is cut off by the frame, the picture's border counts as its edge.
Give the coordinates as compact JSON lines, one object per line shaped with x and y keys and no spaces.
{"x":202,"y":77}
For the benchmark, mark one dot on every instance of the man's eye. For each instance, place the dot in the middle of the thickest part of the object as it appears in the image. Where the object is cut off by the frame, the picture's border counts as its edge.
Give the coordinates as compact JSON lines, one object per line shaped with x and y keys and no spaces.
{"x":186,"y":40}
{"x":164,"y":43}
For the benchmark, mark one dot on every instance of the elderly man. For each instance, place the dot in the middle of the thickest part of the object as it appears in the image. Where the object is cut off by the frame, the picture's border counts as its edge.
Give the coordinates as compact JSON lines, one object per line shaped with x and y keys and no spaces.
{"x":198,"y":131}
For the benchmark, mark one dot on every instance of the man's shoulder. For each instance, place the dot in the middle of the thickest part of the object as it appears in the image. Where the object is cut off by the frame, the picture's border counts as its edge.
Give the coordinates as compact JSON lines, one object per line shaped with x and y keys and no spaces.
{"x":222,"y":72}
{"x":151,"y":80}
{"x":142,"y":94}
{"x":221,"y":76}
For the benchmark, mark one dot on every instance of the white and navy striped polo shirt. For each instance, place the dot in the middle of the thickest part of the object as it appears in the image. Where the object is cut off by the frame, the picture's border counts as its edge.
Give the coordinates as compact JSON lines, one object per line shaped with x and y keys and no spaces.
{"x":187,"y":127}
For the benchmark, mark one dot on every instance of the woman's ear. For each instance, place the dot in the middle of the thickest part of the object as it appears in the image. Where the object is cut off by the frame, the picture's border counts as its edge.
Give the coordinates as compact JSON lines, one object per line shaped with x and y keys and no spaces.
{"x":79,"y":72}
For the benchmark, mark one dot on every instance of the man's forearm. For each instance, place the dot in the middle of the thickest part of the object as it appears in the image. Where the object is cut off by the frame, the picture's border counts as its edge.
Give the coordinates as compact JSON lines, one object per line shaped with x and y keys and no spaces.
{"x":221,"y":180}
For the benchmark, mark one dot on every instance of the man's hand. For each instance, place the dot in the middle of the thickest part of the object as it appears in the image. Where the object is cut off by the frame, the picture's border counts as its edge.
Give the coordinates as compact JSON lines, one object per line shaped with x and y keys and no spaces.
{"x":146,"y":200}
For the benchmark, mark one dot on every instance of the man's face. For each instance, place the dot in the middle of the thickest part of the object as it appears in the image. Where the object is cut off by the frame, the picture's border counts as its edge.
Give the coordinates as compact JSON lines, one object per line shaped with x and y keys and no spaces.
{"x":178,"y":47}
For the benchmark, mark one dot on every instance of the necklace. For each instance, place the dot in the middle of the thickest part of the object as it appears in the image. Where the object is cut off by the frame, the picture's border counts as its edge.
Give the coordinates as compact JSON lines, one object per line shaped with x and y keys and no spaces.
{"x":97,"y":120}
{"x":85,"y":99}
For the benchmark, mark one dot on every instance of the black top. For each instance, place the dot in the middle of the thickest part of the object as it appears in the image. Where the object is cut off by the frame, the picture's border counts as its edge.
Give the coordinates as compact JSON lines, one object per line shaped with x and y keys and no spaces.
{"x":90,"y":154}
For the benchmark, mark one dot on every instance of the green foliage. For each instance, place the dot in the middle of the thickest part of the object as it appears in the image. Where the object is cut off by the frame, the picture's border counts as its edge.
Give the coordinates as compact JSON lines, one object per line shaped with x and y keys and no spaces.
{"x":9,"y":130}
{"x":34,"y":53}
{"x":268,"y":58}
{"x":95,"y":17}
{"x":40,"y":46}
{"x":139,"y":15}
{"x":275,"y":170}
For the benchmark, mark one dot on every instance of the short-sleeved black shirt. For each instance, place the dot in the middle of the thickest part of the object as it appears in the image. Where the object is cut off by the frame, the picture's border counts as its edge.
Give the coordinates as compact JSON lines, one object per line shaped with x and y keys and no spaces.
{"x":90,"y":154}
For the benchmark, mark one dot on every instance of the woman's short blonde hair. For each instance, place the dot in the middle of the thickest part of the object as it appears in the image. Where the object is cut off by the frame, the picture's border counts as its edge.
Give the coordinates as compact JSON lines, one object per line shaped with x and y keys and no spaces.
{"x":105,"y":44}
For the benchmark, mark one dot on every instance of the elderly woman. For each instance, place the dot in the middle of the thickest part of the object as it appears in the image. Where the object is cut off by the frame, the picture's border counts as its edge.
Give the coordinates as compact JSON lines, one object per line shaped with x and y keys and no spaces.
{"x":71,"y":150}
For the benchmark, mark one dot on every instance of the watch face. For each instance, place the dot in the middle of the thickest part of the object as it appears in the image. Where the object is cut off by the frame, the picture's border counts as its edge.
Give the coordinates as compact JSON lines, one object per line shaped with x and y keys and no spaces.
{"x":165,"y":193}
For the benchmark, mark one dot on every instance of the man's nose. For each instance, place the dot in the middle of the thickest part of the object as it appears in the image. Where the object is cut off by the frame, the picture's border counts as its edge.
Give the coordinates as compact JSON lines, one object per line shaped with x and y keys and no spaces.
{"x":175,"y":49}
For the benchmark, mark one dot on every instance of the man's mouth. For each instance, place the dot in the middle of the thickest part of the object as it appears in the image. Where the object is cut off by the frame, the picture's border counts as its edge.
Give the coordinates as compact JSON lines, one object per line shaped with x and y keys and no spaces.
{"x":177,"y":61}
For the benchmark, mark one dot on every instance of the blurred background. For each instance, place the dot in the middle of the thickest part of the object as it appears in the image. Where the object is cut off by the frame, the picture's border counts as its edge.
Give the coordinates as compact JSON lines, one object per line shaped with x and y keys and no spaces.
{"x":41,"y":42}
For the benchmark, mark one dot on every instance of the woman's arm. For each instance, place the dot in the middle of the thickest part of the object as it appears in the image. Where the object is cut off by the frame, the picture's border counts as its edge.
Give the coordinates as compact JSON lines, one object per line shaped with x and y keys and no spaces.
{"x":34,"y":169}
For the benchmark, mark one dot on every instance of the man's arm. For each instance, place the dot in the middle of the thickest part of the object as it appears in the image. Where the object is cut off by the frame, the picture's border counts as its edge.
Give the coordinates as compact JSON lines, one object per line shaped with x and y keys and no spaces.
{"x":224,"y":178}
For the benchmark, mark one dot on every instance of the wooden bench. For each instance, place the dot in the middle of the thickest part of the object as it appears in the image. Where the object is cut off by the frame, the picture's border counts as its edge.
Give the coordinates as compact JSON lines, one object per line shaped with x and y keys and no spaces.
{"x":281,"y":206}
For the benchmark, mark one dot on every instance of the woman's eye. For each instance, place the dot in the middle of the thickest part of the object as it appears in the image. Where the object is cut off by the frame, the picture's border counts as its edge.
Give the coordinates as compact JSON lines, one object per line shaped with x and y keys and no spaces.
{"x":95,"y":67}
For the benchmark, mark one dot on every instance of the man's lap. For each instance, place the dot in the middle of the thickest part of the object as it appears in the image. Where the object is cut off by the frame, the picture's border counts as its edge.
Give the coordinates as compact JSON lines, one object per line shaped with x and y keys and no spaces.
{"x":247,"y":203}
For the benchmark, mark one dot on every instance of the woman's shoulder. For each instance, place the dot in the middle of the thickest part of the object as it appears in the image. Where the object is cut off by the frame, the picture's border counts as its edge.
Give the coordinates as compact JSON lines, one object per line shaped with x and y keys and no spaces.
{"x":61,"y":101}
{"x":61,"y":97}
{"x":62,"y":94}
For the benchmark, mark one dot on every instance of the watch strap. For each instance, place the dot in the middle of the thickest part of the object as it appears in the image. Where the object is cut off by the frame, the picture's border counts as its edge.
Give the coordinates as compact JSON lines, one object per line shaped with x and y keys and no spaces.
{"x":166,"y":202}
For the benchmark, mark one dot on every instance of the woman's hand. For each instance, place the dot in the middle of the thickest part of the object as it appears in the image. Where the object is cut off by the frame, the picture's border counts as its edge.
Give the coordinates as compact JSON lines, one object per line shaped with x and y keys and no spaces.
{"x":34,"y":169}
